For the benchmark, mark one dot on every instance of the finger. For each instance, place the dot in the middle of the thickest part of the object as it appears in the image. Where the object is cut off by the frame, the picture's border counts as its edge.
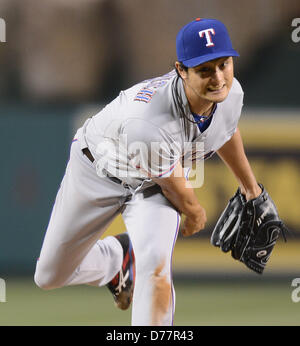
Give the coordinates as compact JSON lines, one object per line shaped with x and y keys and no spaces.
{"x":184,"y":232}
{"x":201,"y":228}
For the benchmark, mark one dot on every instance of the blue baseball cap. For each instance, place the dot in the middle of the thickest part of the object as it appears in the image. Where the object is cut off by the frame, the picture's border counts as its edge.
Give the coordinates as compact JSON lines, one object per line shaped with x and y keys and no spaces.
{"x":202,"y":40}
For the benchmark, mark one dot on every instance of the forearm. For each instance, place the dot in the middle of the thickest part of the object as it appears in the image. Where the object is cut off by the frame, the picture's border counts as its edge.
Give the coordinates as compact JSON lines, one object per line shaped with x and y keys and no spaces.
{"x":180,"y":193}
{"x":233,"y":155}
{"x":184,"y":200}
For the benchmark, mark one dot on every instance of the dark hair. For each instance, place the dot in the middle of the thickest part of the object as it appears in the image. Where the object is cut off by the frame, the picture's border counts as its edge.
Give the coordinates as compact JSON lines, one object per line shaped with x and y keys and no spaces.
{"x":183,"y":67}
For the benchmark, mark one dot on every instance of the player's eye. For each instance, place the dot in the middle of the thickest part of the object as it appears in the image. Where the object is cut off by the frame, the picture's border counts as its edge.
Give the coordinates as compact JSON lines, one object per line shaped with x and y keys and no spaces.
{"x":224,"y":64}
{"x":203,"y":70}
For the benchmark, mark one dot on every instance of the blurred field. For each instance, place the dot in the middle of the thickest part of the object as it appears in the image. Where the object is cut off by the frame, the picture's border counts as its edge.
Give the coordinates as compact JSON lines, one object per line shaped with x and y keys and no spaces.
{"x":236,"y":302}
{"x":198,"y":256}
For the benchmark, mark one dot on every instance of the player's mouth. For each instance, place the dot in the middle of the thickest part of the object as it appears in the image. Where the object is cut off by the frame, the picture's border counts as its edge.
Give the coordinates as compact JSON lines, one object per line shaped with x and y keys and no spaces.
{"x":216,"y":90}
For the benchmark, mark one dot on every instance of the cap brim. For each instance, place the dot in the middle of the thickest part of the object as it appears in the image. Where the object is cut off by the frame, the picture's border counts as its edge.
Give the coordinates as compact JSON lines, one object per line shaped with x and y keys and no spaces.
{"x":204,"y":58}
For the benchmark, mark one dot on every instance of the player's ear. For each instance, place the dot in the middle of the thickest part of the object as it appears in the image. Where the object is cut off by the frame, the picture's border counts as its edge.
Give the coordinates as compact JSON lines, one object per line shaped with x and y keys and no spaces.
{"x":181,"y":70}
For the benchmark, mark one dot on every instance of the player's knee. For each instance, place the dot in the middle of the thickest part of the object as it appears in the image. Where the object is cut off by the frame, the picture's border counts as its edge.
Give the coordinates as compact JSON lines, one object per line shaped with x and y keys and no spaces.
{"x":162,"y":291}
{"x":160,"y":280}
{"x":41,"y":282}
{"x":44,"y":281}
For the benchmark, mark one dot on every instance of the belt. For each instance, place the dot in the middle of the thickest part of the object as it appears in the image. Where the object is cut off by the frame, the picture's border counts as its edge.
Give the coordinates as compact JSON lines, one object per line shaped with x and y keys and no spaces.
{"x":147,"y":193}
{"x":89,"y":155}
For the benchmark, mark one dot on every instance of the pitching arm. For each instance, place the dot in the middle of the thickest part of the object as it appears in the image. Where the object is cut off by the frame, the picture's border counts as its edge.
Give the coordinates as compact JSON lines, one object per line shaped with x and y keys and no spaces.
{"x":233,"y":155}
{"x":181,"y":194}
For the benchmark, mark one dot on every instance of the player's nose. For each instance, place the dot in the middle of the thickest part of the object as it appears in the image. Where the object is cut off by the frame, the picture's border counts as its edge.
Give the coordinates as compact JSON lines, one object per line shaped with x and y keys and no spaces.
{"x":217,"y":78}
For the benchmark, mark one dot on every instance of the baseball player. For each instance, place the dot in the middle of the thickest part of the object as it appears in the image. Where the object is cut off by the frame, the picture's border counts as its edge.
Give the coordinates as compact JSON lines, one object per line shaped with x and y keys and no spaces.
{"x":132,"y":158}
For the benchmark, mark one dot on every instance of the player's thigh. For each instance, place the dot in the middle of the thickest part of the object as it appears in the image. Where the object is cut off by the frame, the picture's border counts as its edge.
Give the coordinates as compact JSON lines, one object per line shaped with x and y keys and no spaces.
{"x":153,"y":225}
{"x":85,"y":205}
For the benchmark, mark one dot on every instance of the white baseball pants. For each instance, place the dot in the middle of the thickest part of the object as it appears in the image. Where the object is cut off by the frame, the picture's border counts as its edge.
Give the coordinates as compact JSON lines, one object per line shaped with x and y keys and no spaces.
{"x":72,"y":252}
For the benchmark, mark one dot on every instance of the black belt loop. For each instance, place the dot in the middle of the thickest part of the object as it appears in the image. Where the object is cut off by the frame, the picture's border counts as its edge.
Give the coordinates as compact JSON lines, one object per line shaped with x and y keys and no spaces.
{"x":88,"y":154}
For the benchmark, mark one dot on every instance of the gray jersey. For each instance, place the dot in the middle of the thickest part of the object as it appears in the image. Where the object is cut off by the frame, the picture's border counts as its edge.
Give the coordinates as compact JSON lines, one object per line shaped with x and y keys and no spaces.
{"x":149,"y":127}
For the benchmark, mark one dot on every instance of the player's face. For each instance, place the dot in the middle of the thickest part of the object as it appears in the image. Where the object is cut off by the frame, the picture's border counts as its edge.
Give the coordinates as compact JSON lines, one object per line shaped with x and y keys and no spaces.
{"x":212,"y":80}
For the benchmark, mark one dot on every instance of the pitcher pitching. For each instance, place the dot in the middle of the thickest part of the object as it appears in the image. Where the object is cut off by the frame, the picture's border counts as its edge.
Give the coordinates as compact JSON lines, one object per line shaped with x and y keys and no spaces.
{"x":132,"y":158}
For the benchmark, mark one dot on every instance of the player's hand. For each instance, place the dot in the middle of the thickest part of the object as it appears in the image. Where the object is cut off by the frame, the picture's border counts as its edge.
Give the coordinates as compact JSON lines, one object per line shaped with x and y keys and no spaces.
{"x":194,"y":225}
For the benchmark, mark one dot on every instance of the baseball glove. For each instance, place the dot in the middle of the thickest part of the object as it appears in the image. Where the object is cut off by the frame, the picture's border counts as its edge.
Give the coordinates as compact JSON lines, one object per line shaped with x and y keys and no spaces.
{"x":249,"y":229}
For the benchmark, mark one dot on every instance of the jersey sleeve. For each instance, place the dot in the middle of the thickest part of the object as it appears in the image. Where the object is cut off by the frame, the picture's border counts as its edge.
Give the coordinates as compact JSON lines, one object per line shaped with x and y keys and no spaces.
{"x":152,"y":151}
{"x":235,"y":105}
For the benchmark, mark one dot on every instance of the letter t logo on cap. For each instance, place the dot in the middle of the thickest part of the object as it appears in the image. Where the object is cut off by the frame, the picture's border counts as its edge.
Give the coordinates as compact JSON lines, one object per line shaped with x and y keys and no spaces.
{"x":207,"y":33}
